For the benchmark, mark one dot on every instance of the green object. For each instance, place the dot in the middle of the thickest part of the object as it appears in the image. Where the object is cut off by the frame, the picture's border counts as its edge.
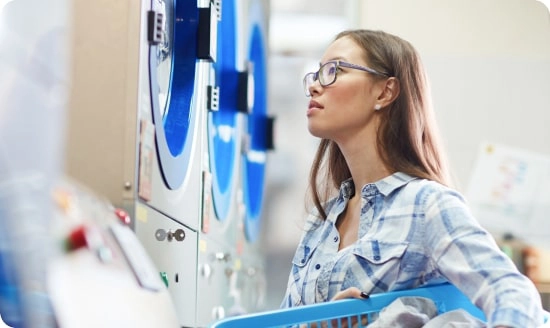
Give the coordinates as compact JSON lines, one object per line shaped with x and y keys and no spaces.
{"x":508,"y":251}
{"x":164,"y":278}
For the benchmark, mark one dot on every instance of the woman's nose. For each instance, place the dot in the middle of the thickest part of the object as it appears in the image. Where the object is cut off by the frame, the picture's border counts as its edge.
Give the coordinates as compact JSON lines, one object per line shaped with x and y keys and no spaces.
{"x":314,"y":87}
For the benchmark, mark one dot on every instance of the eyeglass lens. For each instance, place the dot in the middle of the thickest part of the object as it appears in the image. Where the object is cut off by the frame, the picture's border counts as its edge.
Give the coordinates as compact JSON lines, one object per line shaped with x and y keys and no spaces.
{"x":327,"y":73}
{"x":326,"y":76}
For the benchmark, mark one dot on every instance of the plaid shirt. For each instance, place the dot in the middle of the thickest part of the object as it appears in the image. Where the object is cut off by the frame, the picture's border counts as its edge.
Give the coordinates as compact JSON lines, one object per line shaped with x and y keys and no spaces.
{"x":411,"y":232}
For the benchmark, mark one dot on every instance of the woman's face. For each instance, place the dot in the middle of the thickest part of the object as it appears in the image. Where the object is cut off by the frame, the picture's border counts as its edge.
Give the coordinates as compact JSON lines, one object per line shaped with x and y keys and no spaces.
{"x":345,"y":108}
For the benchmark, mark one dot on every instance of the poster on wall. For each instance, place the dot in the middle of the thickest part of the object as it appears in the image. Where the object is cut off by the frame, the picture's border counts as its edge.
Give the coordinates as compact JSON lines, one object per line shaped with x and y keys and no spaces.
{"x":509,"y":193}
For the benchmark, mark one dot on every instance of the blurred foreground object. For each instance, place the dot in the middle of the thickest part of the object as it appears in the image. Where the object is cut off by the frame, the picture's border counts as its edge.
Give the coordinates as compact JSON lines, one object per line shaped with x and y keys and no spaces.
{"x":33,"y":95}
{"x":101,"y":275}
{"x":66,"y":257}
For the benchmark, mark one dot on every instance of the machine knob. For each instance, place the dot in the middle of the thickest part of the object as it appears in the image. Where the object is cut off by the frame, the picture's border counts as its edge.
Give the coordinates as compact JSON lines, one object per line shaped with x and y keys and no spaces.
{"x":218,"y":312}
{"x":178,"y":235}
{"x":222,"y":256}
{"x":123,"y":216}
{"x":160,"y":234}
{"x":206,"y":271}
{"x":251,"y":271}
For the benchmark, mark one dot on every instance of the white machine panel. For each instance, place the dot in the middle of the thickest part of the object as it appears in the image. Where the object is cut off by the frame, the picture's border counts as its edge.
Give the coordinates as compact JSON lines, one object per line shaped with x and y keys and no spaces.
{"x":173,"y":249}
{"x":216,"y":267}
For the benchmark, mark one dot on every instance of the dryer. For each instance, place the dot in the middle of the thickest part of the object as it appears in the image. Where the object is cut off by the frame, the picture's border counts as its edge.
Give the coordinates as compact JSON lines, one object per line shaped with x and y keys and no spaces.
{"x":170,"y":123}
{"x":136,"y":134}
{"x":259,"y":126}
{"x":239,"y":133}
{"x":222,"y":203}
{"x":259,"y":129}
{"x":139,"y":99}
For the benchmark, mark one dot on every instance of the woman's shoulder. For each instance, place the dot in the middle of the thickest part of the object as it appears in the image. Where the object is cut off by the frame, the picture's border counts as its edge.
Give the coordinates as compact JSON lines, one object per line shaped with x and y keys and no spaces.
{"x":425,"y":191}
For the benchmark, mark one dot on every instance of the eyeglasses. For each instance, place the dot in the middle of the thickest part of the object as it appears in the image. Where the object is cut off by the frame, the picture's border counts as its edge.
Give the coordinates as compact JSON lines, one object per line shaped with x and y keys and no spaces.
{"x":328,"y":71}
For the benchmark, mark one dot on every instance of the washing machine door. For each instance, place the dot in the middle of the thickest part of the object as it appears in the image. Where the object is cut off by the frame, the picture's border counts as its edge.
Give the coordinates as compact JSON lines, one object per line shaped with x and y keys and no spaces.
{"x":172,"y":70}
{"x":223,"y":130}
{"x":259,"y":125}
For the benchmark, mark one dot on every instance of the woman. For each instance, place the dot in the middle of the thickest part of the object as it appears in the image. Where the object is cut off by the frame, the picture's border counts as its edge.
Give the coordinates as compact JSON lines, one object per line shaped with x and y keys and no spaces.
{"x":385,"y":216}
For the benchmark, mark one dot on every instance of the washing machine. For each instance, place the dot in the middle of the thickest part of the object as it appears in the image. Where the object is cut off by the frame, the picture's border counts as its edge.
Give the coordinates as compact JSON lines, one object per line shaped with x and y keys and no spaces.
{"x":259,"y":129}
{"x":169,"y":122}
{"x":137,"y":128}
{"x":240,"y":131}
{"x":224,"y":135}
{"x":222,"y":202}
{"x":178,"y":54}
{"x":260,"y":125}
{"x":239,"y":134}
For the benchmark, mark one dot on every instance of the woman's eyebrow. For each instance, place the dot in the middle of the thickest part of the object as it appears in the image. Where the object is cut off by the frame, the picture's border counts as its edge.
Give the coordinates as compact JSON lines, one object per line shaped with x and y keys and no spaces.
{"x":333,"y":59}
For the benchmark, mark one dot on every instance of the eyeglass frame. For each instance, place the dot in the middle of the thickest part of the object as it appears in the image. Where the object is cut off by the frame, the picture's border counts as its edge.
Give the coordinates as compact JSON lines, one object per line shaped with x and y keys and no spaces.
{"x":339,"y":63}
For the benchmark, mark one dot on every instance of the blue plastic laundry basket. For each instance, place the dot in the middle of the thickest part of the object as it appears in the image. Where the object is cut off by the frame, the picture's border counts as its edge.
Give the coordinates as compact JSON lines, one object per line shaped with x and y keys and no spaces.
{"x":445,"y":296}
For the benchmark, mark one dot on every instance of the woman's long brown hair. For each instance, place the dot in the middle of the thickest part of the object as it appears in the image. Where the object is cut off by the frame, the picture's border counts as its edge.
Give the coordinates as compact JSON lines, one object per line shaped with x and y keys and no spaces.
{"x":408,"y":138}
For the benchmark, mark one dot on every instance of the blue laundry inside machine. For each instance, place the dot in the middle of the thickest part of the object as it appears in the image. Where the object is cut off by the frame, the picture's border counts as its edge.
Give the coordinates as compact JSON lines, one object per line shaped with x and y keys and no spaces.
{"x":172,"y":68}
{"x":259,"y":128}
{"x":223,"y":134}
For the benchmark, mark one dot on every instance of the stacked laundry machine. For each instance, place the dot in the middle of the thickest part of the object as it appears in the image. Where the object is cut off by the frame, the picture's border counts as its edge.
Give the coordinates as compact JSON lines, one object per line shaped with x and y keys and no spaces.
{"x":168,"y":119}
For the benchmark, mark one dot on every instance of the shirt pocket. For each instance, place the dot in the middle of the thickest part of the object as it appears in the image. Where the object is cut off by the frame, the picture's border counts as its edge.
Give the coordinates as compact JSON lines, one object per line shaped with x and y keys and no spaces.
{"x":299,"y":270}
{"x":302,"y":255}
{"x":381,"y":261}
{"x":379,"y":252}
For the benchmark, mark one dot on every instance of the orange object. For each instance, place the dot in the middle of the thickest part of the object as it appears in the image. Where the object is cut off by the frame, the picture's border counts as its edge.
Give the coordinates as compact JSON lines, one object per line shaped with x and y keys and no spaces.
{"x":531,"y":263}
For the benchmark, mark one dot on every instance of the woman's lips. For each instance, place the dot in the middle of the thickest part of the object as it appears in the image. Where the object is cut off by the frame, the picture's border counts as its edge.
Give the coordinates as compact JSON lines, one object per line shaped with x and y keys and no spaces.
{"x":313,"y":105}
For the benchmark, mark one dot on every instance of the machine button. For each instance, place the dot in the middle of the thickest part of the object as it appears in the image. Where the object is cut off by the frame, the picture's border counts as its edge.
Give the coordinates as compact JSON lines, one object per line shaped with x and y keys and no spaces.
{"x":76,"y":239}
{"x":123,"y":216}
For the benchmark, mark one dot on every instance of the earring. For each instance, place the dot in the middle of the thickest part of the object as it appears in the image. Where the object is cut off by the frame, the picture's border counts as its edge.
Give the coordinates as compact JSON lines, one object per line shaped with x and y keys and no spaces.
{"x":377,"y":107}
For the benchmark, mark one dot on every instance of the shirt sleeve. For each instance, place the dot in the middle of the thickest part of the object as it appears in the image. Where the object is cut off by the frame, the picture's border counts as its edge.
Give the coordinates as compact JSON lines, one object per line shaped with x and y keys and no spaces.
{"x":468,"y":256}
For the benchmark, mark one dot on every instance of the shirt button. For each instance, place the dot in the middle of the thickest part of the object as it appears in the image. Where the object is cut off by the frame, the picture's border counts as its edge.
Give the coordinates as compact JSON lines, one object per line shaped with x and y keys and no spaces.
{"x":336,"y":239}
{"x":303,"y":261}
{"x":377,"y":257}
{"x":317,"y":266}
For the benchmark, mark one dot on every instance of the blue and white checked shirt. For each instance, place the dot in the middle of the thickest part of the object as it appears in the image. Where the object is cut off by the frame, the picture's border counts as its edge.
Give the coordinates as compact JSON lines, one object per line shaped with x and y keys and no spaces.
{"x":411,"y":232}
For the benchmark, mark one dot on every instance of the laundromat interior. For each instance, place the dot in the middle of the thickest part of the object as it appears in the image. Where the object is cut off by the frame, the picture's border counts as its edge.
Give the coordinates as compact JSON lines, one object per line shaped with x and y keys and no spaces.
{"x":155,"y":156}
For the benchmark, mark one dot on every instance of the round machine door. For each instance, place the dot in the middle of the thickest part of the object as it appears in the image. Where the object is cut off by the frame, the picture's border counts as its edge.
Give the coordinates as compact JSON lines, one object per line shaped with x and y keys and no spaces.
{"x":260,"y":125}
{"x":172,"y":36}
{"x":223,"y":132}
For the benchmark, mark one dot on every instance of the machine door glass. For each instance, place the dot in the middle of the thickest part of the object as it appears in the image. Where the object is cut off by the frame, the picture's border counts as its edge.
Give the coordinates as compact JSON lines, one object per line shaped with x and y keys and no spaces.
{"x":174,"y":86}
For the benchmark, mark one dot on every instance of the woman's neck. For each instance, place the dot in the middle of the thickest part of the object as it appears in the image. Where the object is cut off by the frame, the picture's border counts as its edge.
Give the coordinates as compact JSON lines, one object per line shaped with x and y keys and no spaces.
{"x":365,"y":165}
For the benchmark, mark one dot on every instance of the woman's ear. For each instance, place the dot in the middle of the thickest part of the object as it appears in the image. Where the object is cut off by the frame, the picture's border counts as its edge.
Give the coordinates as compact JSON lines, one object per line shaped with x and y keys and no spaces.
{"x":390,"y":92}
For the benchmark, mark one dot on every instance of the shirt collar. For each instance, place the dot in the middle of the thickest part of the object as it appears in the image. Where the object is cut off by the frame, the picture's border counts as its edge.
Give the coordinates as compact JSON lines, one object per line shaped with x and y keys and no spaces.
{"x":385,"y":186}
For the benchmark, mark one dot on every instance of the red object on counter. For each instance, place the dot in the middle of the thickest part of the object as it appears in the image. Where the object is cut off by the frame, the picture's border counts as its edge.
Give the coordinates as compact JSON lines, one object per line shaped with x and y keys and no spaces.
{"x":77,"y":238}
{"x":123,"y":216}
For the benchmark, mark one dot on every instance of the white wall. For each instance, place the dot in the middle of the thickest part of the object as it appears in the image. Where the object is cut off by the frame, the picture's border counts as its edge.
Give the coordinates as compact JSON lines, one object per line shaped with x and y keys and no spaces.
{"x":489,"y":66}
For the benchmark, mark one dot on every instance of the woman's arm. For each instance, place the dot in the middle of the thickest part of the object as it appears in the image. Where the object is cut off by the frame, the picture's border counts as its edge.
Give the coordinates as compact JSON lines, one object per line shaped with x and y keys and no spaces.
{"x":468,"y":257}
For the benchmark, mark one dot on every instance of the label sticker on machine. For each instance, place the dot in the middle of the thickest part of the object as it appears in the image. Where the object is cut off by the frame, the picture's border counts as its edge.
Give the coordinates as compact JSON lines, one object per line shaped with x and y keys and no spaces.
{"x":146,"y":157}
